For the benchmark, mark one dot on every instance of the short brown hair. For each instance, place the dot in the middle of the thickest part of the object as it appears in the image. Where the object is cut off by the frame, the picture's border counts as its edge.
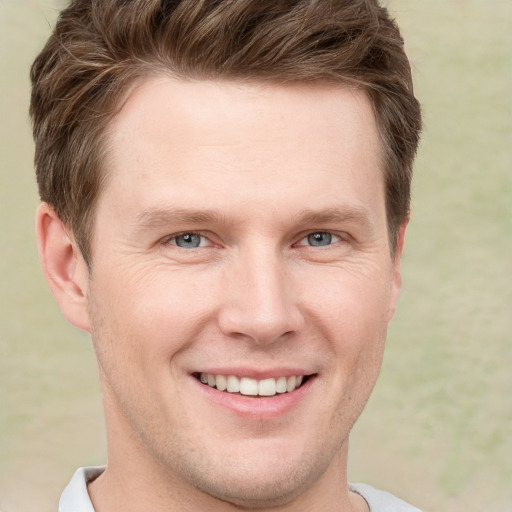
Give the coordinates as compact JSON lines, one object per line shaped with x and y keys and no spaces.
{"x":100,"y":48}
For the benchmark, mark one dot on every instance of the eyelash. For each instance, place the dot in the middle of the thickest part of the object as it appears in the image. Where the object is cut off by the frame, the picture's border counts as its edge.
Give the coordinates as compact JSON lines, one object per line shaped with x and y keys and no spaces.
{"x":333,"y":238}
{"x":171,"y":240}
{"x":337,"y":238}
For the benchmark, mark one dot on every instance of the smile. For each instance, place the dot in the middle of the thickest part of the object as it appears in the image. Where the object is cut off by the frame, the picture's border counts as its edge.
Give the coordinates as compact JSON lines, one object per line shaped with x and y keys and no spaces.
{"x":252,"y":387}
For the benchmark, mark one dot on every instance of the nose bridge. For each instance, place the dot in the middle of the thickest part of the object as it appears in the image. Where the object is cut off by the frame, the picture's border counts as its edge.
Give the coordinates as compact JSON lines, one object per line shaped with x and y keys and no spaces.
{"x":260,"y":303}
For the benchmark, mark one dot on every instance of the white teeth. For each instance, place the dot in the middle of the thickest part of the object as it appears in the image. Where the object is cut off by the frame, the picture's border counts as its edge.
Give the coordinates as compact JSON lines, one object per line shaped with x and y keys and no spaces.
{"x":220,"y":382}
{"x":248,"y":386}
{"x":267,"y":387}
{"x":251,"y":387}
{"x":281,"y":385}
{"x":233,"y":385}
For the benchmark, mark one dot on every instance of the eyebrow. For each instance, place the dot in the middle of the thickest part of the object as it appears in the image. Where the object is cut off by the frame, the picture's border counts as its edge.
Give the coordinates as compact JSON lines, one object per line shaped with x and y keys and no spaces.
{"x":155,"y":218}
{"x":160,"y":218}
{"x":336,"y":215}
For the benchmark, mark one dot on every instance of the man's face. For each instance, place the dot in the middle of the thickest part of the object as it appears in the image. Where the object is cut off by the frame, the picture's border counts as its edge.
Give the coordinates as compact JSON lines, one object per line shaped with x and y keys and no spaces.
{"x":241,"y":237}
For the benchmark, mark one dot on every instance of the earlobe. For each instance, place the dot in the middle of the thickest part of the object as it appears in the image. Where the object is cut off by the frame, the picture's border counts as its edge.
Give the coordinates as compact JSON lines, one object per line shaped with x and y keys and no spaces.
{"x":396,"y":283}
{"x":63,"y":265}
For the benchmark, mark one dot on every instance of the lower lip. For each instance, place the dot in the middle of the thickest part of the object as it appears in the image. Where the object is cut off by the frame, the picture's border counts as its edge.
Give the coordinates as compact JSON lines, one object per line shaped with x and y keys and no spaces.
{"x":259,"y":407}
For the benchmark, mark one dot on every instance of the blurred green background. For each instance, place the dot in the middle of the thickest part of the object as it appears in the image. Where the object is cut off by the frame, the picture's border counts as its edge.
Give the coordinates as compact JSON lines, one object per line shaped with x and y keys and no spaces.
{"x":437,"y":430}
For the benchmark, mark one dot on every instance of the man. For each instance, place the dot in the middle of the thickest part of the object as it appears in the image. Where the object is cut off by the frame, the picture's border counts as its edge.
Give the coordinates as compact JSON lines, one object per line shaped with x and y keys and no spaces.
{"x":225,"y":192}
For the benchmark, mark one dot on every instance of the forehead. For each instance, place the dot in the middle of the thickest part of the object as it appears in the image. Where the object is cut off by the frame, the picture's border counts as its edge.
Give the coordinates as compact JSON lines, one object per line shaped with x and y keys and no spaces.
{"x":216,"y":135}
{"x":215,"y":110}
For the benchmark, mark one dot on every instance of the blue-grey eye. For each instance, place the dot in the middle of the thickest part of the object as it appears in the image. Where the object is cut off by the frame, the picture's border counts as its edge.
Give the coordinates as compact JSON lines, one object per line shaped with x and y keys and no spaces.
{"x":188,"y":240}
{"x":319,"y":239}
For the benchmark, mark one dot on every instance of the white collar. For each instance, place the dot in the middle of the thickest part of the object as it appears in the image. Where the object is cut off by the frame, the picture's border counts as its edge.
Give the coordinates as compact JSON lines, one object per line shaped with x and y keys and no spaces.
{"x":75,"y":497}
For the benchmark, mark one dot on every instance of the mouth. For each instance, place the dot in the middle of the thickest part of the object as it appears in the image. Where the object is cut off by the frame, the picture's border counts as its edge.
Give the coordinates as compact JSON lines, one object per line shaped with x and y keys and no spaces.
{"x":252,"y":387}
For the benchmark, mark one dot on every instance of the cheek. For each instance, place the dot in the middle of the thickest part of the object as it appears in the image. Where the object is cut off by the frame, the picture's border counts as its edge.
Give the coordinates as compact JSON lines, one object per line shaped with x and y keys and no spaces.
{"x":353,"y":304}
{"x":143,"y":320}
{"x":353,"y":314}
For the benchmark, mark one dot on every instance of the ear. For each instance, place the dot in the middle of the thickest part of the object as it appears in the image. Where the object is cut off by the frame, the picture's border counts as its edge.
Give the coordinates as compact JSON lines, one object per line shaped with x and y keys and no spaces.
{"x":396,"y":277}
{"x":64,"y":267}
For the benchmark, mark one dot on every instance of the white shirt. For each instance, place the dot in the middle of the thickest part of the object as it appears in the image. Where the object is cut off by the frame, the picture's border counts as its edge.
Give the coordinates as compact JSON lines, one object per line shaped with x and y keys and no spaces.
{"x":75,"y":497}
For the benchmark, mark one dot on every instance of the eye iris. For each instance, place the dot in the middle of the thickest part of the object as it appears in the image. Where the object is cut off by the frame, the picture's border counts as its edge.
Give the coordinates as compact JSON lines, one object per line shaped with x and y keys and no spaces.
{"x":188,"y":241}
{"x":319,"y":239}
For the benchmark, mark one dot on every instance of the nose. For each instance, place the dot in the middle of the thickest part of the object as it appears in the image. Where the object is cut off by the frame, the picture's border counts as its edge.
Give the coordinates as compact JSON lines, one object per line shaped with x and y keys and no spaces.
{"x":260,"y":299}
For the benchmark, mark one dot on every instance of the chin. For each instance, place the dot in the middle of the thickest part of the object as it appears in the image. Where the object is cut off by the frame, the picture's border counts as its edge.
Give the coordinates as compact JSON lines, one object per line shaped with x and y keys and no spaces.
{"x":256,"y":491}
{"x":268,"y":481}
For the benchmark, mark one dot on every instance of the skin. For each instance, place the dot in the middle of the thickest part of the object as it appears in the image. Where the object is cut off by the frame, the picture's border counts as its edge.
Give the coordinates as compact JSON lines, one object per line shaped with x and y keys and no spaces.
{"x":254,"y":170}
